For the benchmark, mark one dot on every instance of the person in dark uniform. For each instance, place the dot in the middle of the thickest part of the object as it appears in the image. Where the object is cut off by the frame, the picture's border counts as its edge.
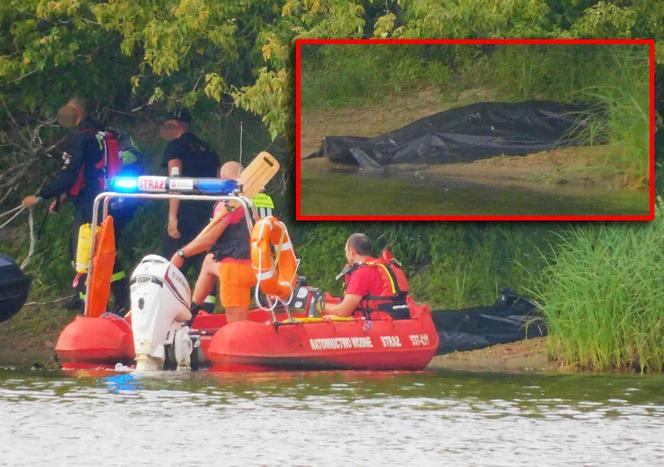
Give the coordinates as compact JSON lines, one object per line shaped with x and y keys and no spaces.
{"x":186,"y":155}
{"x":79,"y":181}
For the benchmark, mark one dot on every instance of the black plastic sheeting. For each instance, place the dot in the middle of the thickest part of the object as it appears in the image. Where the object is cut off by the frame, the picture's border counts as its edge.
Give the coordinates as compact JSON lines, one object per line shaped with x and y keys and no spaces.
{"x":465,"y":134}
{"x":14,"y":287}
{"x":511,"y":318}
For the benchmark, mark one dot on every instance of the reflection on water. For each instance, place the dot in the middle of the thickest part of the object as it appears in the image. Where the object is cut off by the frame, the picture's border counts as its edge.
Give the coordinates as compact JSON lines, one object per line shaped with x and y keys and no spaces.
{"x":343,"y":192}
{"x":340,"y":418}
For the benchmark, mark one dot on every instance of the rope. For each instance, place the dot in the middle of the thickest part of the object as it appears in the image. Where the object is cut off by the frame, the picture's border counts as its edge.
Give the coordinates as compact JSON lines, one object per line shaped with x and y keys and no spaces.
{"x":31,"y":223}
{"x":11,"y":210}
{"x":31,"y":250}
{"x":61,"y":299}
{"x":18,"y":209}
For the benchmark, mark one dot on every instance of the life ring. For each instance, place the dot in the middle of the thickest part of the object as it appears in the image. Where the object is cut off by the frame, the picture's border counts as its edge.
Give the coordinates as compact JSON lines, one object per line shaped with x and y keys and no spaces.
{"x":273,"y":258}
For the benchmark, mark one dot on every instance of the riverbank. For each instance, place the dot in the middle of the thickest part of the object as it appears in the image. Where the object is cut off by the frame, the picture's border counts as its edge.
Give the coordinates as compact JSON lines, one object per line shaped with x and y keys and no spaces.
{"x":527,"y":356}
{"x":585,"y":166}
{"x":30,"y":336}
{"x":574,"y":172}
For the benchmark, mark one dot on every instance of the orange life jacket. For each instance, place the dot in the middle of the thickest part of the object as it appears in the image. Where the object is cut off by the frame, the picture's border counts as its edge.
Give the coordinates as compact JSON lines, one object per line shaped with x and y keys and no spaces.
{"x":393,"y":296}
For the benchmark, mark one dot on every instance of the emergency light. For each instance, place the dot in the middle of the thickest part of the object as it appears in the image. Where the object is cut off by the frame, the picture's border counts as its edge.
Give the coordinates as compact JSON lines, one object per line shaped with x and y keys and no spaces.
{"x":124,"y":184}
{"x":158,"y":184}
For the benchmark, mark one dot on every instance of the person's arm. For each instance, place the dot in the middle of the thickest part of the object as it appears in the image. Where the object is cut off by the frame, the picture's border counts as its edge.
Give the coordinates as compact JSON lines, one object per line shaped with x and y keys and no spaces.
{"x":345,"y":307}
{"x":201,"y":243}
{"x":65,"y":180}
{"x":174,"y":204}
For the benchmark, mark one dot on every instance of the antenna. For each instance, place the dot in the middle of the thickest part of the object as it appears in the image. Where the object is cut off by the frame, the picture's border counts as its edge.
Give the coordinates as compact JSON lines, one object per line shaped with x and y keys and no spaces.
{"x":240,"y":145}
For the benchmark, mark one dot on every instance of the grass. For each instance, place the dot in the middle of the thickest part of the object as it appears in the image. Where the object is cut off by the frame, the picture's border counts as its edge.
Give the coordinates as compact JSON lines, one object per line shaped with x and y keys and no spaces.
{"x":602,"y":296}
{"x":346,"y":75}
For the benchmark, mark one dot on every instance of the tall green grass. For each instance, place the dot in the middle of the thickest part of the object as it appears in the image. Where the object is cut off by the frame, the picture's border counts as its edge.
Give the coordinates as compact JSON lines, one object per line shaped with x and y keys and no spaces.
{"x":615,"y":77}
{"x":603,"y":296}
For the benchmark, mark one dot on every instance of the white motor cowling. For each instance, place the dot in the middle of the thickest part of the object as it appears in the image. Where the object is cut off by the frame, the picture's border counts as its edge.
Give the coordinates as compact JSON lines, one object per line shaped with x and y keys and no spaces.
{"x":160,"y":301}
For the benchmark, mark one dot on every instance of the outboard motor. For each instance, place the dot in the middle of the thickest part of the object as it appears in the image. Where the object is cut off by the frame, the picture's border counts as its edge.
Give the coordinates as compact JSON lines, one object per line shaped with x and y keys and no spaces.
{"x":160,"y":301}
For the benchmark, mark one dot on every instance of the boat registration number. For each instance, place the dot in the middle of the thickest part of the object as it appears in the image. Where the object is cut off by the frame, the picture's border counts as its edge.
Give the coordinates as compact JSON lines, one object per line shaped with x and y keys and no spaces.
{"x":419,"y":339}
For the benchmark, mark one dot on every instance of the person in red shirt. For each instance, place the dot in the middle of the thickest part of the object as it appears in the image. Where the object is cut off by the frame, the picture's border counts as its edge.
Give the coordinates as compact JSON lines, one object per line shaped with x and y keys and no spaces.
{"x":371,"y":284}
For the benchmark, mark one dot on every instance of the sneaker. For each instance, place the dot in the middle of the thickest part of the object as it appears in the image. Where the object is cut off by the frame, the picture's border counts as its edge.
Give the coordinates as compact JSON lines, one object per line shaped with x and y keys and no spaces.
{"x":74,"y":303}
{"x":119,"y":310}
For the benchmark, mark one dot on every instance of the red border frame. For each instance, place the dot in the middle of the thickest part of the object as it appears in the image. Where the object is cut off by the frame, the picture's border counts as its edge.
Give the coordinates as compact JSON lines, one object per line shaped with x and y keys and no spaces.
{"x":648,"y":217}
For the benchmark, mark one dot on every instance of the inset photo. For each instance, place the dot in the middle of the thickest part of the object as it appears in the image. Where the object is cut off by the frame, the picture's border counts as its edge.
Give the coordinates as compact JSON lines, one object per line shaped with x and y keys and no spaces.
{"x":475,"y":130}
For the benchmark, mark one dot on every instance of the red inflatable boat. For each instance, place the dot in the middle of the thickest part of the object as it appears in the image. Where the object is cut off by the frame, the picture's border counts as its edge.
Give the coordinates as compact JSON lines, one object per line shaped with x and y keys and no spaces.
{"x":262,"y":344}
{"x":322,"y":343}
{"x":267,"y":340}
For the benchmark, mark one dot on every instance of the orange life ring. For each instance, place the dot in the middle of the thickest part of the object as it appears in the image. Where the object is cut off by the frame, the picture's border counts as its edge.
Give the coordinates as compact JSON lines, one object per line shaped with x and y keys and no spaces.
{"x":273,"y":258}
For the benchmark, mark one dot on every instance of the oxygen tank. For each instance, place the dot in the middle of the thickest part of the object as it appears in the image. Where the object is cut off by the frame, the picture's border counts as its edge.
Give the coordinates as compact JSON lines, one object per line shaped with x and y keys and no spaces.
{"x":83,"y":248}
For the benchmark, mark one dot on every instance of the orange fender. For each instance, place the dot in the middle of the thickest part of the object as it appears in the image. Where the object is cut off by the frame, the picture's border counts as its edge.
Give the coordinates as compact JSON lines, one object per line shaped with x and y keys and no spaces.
{"x":102,"y":269}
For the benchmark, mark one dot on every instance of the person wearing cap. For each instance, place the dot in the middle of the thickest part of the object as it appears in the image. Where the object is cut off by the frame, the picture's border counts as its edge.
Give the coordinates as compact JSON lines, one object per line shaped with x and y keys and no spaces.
{"x":186,"y":155}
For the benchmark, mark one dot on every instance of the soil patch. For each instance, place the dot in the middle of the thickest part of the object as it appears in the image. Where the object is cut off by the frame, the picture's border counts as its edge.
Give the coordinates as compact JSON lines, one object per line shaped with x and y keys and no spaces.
{"x":519,"y":357}
{"x":30,"y":336}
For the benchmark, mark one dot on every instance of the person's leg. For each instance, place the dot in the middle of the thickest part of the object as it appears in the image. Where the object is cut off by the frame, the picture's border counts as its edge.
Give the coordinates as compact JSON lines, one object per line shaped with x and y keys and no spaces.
{"x":206,"y":280}
{"x":204,"y":285}
{"x":235,"y":282}
{"x":76,"y":301}
{"x":119,"y":280}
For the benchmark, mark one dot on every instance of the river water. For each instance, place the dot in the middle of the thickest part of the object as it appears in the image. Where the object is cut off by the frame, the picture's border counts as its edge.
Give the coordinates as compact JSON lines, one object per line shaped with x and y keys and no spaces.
{"x":335,"y":418}
{"x":362,"y":193}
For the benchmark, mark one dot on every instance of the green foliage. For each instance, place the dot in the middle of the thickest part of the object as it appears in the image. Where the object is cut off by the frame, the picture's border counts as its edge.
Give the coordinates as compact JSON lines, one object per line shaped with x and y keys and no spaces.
{"x":615,"y":77}
{"x":602,"y":294}
{"x":126,"y":53}
{"x":449,"y":265}
{"x":345,"y":75}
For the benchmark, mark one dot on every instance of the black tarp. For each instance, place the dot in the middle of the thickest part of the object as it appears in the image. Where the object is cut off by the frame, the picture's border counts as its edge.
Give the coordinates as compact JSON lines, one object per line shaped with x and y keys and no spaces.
{"x":511,"y":318}
{"x":14,"y":287}
{"x":465,"y":134}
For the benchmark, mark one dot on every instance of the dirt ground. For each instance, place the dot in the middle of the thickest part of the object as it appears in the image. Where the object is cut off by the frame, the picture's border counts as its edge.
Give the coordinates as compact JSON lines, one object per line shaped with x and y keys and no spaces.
{"x":397,"y":112}
{"x":30,"y":336}
{"x":516,"y":357}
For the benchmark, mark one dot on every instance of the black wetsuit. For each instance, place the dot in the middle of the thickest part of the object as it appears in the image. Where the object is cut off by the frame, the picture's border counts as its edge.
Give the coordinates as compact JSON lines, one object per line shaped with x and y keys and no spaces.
{"x":81,"y":152}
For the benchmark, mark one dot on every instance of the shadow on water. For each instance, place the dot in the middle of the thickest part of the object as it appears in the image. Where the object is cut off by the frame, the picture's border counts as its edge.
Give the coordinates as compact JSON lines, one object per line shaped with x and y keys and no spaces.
{"x":376,"y":192}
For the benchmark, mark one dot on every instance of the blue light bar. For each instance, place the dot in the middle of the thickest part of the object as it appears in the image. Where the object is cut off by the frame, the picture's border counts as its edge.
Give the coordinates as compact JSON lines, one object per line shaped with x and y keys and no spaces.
{"x":216,"y":185}
{"x":125,"y":184}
